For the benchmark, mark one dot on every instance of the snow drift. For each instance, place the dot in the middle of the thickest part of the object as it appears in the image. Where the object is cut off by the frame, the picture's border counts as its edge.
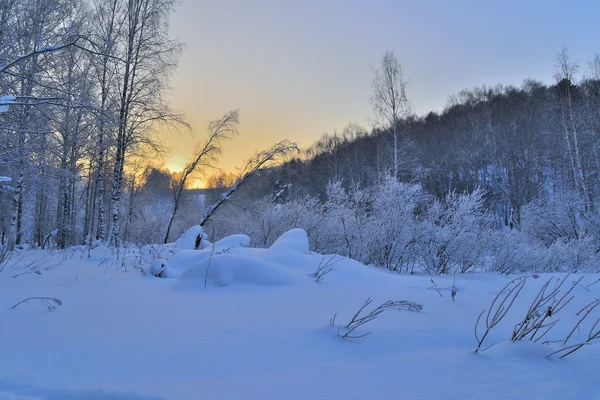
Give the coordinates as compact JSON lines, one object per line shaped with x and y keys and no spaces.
{"x":226,"y":269}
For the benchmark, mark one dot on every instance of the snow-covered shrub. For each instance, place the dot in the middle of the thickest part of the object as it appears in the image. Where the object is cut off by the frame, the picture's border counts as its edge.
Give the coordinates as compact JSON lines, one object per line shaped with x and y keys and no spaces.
{"x":295,"y":241}
{"x":345,"y":219}
{"x":572,"y":255}
{"x":512,"y":252}
{"x":157,"y":268}
{"x":388,"y":233}
{"x":192,"y":239}
{"x":373,"y":226}
{"x":389,"y":225}
{"x":454,"y":233}
{"x":264,"y":221}
{"x":549,"y":221}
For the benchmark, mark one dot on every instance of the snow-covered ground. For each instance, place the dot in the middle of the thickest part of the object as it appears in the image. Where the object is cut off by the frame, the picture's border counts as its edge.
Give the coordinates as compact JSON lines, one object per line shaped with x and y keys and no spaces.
{"x":232,"y":322}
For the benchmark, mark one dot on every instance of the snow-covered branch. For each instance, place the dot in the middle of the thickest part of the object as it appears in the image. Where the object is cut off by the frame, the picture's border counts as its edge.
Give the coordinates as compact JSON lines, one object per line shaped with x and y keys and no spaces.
{"x":48,"y":49}
{"x":264,"y":159}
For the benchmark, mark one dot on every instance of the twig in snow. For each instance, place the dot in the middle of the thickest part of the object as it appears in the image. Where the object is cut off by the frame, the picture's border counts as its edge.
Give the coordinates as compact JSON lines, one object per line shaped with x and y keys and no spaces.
{"x":594,"y":332}
{"x":435,"y":287}
{"x":332,"y":320}
{"x":212,"y":250}
{"x":324,"y":268}
{"x":544,"y":306}
{"x":498,"y":309}
{"x":359,"y":319}
{"x":47,"y":301}
{"x":587,"y":287}
{"x":453,"y":289}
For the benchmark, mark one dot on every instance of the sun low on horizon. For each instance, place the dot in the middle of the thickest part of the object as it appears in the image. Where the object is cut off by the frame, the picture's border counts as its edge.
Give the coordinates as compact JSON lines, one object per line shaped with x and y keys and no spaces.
{"x":299,"y":200}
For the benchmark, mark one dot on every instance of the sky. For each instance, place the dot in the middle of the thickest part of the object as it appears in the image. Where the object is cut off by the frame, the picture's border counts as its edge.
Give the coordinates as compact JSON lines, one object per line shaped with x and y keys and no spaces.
{"x":299,"y":68}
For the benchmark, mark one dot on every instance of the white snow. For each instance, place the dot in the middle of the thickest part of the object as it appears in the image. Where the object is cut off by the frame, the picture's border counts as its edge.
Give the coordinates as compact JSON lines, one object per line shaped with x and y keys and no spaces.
{"x":226,"y":269}
{"x":260,"y":330}
{"x":187,"y":241}
{"x":4,"y":178}
{"x":232,"y":241}
{"x":294,"y":240}
{"x":158,"y":267}
{"x":5,"y":101}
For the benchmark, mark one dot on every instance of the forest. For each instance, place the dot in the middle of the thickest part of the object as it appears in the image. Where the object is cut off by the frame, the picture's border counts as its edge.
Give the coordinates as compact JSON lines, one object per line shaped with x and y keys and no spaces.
{"x":504,"y":178}
{"x":453,"y":254}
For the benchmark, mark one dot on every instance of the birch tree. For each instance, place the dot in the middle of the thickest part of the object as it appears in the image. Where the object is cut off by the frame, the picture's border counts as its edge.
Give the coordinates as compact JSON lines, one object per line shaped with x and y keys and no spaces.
{"x":109,"y":19}
{"x":149,"y":57}
{"x":31,"y":31}
{"x":389,"y":97}
{"x":565,"y":77}
{"x":204,"y":157}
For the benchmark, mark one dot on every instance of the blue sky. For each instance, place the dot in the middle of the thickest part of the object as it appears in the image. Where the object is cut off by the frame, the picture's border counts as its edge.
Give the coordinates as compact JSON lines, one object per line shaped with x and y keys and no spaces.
{"x":297,"y":69}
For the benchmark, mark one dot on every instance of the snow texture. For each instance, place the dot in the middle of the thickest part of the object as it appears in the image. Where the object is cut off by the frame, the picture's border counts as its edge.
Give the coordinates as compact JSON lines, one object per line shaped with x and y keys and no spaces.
{"x":294,"y":240}
{"x":5,"y":101}
{"x":187,"y":241}
{"x":260,"y":330}
{"x":227,"y":269}
{"x":158,"y":267}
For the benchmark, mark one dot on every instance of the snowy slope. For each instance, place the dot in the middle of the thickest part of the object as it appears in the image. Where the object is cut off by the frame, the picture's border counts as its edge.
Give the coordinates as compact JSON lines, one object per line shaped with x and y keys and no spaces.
{"x":123,"y":335}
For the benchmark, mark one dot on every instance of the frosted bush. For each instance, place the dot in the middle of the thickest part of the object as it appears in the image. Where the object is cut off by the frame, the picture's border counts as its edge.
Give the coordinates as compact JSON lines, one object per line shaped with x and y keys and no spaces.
{"x":264,"y":221}
{"x":549,"y":221}
{"x":572,"y":256}
{"x":389,"y":229}
{"x":512,"y":252}
{"x":454,"y":233}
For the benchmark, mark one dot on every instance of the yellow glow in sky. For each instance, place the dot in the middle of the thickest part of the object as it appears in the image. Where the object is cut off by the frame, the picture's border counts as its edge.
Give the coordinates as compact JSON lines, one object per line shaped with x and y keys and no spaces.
{"x":298,"y":69}
{"x":175,"y":163}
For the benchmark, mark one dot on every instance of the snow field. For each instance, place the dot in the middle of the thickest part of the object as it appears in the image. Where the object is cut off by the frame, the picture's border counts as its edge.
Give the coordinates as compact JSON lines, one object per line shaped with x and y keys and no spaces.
{"x":260,"y":330}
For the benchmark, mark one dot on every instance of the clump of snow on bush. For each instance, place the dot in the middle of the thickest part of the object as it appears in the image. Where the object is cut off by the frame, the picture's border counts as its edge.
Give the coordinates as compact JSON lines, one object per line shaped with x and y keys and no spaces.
{"x":193,"y":238}
{"x":158,"y":268}
{"x":232,"y":241}
{"x":294,"y":240}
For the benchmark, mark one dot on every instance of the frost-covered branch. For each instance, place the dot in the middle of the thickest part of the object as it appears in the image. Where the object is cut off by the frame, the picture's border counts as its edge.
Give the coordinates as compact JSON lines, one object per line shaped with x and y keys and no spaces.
{"x":48,"y":49}
{"x":360,"y":318}
{"x":325,"y":267}
{"x":46,"y":301}
{"x":545,"y":305}
{"x":500,"y":306}
{"x":263,"y":160}
{"x":205,"y":157}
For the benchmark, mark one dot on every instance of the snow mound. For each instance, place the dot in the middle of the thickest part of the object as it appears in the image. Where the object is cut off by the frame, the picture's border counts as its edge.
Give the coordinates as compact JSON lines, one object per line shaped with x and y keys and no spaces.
{"x":184,"y":259}
{"x":158,"y":268}
{"x":232,"y":241}
{"x":226,"y":269}
{"x":150,"y":252}
{"x":294,"y":240}
{"x":192,"y":239}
